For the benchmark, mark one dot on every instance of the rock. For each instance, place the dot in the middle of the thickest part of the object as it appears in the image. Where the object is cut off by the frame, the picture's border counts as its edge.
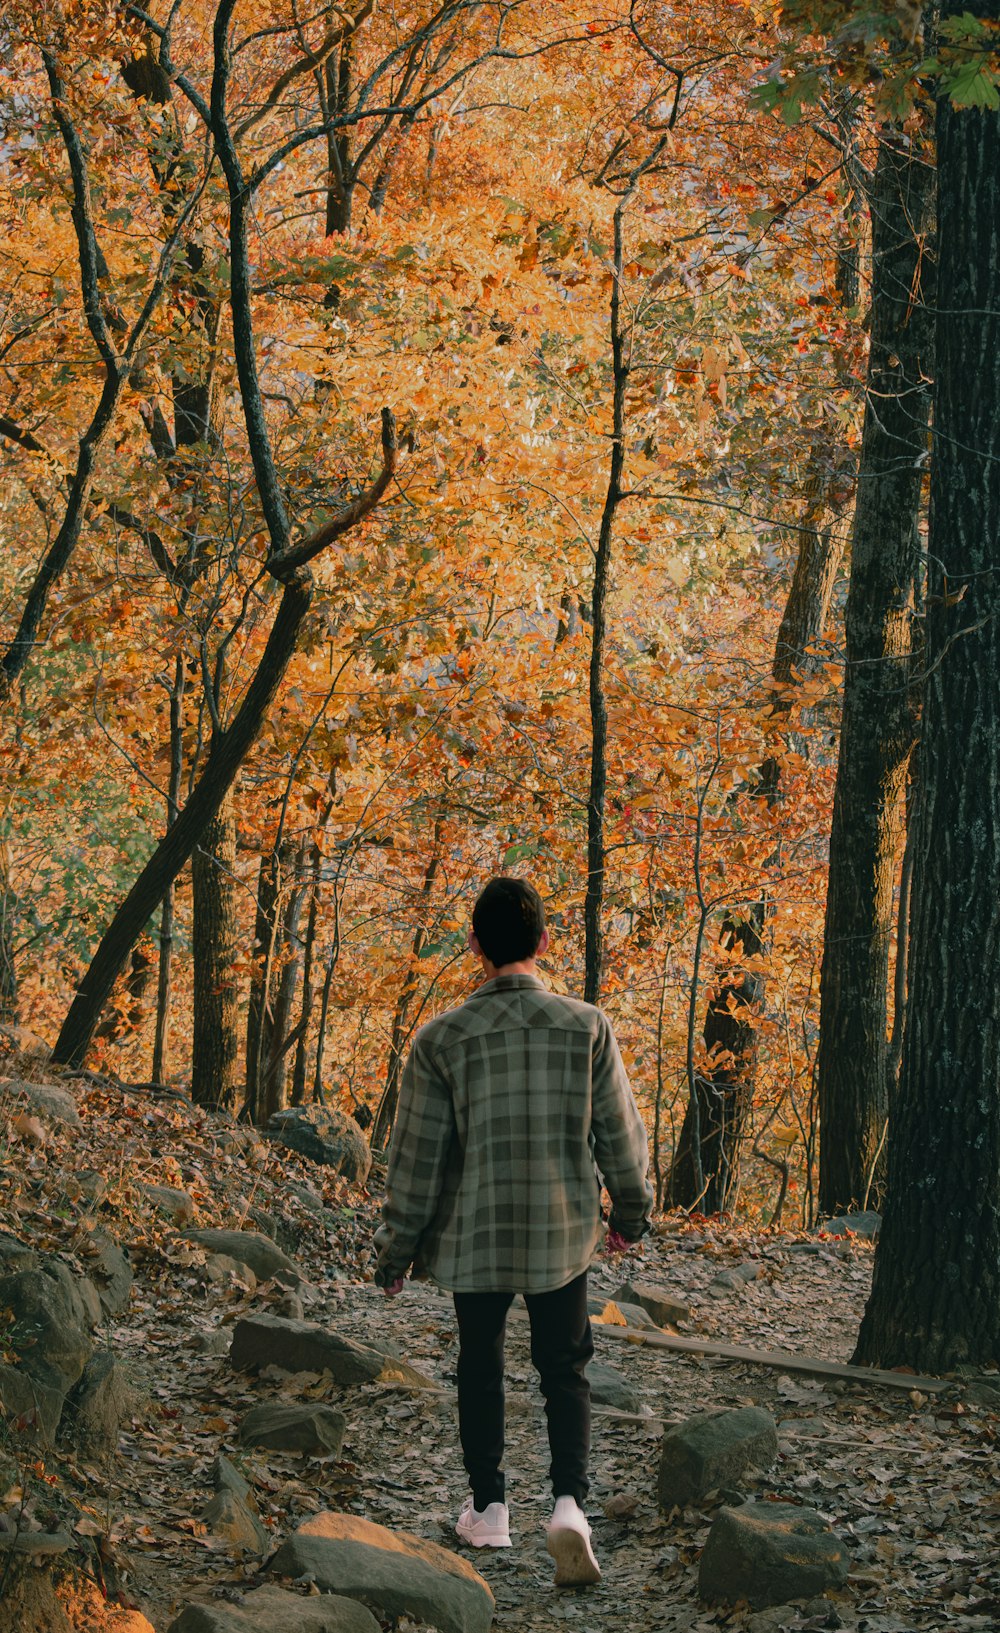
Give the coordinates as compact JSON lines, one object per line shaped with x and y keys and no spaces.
{"x":658,"y":1303}
{"x":226,"y":1476}
{"x":274,"y":1610}
{"x":311,"y":1429}
{"x":91,"y":1186}
{"x":15,"y":1255}
{"x":221,"y":1270}
{"x":56,"y":1105}
{"x":173,"y":1204}
{"x":397,"y":1574}
{"x":249,"y":1247}
{"x":286,"y":1232}
{"x":108,"y":1267}
{"x":96,"y":1407}
{"x":325,"y":1136}
{"x":610,"y":1313}
{"x":216,"y":1342}
{"x":769,"y":1553}
{"x":984,"y":1392}
{"x":609,"y":1388}
{"x":37,"y":1544}
{"x":29,"y":1407}
{"x":866,"y":1225}
{"x":230,"y":1516}
{"x":735,"y":1278}
{"x":306,"y":1346}
{"x":309,"y":1197}
{"x":46,"y":1329}
{"x":714,"y":1449}
{"x":290,"y":1306}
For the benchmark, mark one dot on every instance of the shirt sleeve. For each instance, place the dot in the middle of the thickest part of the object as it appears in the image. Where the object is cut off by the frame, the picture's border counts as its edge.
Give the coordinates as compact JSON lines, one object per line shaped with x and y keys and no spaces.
{"x":621,"y":1147}
{"x":422,"y":1138}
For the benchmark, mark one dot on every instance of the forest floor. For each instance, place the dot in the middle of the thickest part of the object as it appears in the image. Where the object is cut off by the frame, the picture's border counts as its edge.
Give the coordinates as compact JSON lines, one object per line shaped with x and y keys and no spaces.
{"x":910,"y":1482}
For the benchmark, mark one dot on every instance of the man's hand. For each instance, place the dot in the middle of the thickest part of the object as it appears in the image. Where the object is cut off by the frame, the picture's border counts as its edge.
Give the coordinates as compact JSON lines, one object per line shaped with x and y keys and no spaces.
{"x":394,"y":1287}
{"x":614,"y":1244}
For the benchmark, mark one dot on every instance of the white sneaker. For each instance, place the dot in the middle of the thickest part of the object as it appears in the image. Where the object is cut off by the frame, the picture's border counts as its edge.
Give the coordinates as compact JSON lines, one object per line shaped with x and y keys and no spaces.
{"x":489,"y":1529}
{"x":568,"y":1542}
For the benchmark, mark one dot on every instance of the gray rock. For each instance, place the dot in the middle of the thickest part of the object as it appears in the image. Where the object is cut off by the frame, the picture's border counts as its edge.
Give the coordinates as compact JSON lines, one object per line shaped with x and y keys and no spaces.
{"x":48,"y":1331}
{"x":108,"y":1267}
{"x":984,"y":1392}
{"x":173,"y":1204}
{"x":230,"y":1516}
{"x":714,"y":1449}
{"x":290,"y":1306}
{"x":309,"y":1197}
{"x":273,"y":1610}
{"x":325,"y":1136}
{"x":397,"y":1574}
{"x":769,"y":1553}
{"x":30,"y":1408}
{"x":96,"y":1407}
{"x":15,"y":1254}
{"x":91,"y":1185}
{"x":661,"y":1305}
{"x":216,"y":1342}
{"x":866,"y":1224}
{"x":306,"y":1346}
{"x":633,"y":1315}
{"x":225,"y":1476}
{"x":45,"y":1099}
{"x":735,"y":1278}
{"x":249,"y":1247}
{"x":308,"y":1428}
{"x":42,"y":1544}
{"x":609,"y":1388}
{"x":222,"y":1270}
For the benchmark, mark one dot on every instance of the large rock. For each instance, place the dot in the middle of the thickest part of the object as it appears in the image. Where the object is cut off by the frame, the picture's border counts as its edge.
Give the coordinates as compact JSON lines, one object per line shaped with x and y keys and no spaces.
{"x":305,"y":1346}
{"x":866,"y":1225}
{"x":397,"y":1574}
{"x":46,"y":1331}
{"x":15,"y":1254}
{"x":273,"y":1610}
{"x":609,"y":1388}
{"x":249,"y":1247}
{"x":174,"y":1204}
{"x":309,"y":1428}
{"x":230,"y":1516}
{"x":95,"y":1408}
{"x":325,"y":1136}
{"x":714,"y":1449}
{"x":769,"y":1553}
{"x":657,"y":1302}
{"x":109,"y":1269}
{"x":45,"y":1099}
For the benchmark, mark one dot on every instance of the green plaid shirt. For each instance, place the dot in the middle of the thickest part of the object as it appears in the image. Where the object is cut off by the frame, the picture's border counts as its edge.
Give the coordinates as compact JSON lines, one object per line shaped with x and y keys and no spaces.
{"x":509,"y":1106}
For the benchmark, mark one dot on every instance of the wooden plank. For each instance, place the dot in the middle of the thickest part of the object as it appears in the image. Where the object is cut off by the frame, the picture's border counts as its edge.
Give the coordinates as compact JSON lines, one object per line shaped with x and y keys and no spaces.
{"x":811,"y":1365}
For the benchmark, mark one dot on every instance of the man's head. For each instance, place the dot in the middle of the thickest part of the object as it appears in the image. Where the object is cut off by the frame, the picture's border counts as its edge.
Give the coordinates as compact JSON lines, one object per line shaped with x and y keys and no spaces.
{"x":508,"y":922}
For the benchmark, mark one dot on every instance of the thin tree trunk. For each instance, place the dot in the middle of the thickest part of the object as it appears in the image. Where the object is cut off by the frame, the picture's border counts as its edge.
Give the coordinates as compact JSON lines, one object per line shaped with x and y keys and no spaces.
{"x":277,"y":1031}
{"x":386,"y":1114}
{"x":298,"y":1091}
{"x":878,"y":726}
{"x":215,"y":1042}
{"x":935,"y":1301}
{"x":164,"y":972}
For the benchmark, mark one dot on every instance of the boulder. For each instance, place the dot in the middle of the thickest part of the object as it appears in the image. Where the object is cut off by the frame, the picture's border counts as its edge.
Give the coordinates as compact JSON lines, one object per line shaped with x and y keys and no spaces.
{"x":109,"y":1269}
{"x":714,"y":1449}
{"x":769,"y":1553}
{"x":866,"y":1225}
{"x":230,"y":1516}
{"x":45,"y":1099}
{"x":227,"y":1477}
{"x":305,"y":1346}
{"x":397,"y":1574}
{"x":46,"y":1329}
{"x":29,"y":1407}
{"x":273,"y":1610}
{"x":249,"y":1247}
{"x":664,"y":1309}
{"x":734,"y":1279}
{"x":96,"y":1407}
{"x":609,"y":1388}
{"x":172,"y":1203}
{"x":221,"y":1270}
{"x":309,"y":1428}
{"x":325,"y":1136}
{"x":608,"y":1312}
{"x":15,"y":1254}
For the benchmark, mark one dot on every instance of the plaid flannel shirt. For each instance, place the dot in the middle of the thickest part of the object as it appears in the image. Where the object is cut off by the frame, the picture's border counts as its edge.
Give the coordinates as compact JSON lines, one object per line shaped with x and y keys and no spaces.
{"x":509,"y":1106}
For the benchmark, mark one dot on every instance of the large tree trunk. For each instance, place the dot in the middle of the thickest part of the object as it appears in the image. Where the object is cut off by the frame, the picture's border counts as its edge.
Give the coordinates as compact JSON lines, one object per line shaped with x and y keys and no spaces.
{"x":935,"y":1299}
{"x":878,"y":726}
{"x":215,"y":943}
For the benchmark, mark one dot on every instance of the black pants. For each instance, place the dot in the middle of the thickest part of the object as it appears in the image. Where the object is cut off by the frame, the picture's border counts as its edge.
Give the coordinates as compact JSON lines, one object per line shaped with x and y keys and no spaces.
{"x":561,"y":1346}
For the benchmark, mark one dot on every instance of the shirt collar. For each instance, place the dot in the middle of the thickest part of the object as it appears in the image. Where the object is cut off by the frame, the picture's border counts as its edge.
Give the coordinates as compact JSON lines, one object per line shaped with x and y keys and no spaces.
{"x":505,"y":983}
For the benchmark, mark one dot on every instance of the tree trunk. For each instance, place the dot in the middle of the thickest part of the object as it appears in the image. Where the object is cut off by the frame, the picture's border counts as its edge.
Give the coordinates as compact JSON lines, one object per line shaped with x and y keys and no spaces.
{"x":277,"y":1030}
{"x":386,"y":1114}
{"x":878,"y":725}
{"x":164,"y":971}
{"x":298,"y":1092}
{"x":215,"y":943}
{"x":935,"y":1301}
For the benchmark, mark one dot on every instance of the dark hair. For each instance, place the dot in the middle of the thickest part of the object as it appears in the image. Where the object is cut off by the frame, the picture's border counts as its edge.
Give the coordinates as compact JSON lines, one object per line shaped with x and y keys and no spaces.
{"x":509,"y":921}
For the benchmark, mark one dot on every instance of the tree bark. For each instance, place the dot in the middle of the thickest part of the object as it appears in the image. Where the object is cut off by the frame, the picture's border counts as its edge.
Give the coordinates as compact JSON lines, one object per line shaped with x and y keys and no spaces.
{"x":935,"y":1301}
{"x":215,"y":943}
{"x":878,"y":726}
{"x":386,"y":1113}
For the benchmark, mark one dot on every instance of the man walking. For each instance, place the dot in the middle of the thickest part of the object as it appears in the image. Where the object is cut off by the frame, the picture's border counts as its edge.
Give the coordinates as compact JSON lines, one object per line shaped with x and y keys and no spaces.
{"x":509,"y":1106}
